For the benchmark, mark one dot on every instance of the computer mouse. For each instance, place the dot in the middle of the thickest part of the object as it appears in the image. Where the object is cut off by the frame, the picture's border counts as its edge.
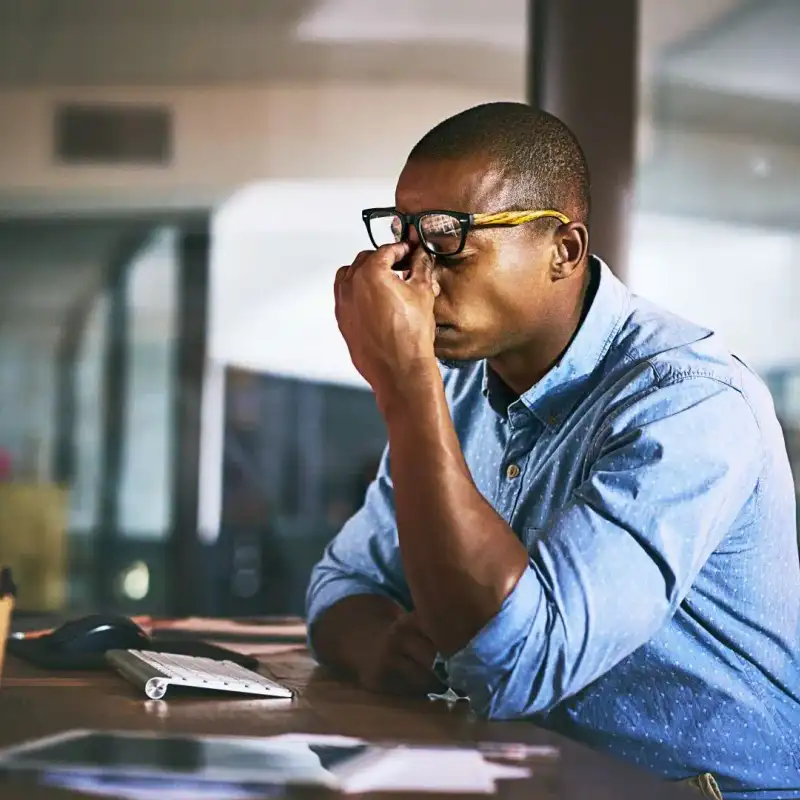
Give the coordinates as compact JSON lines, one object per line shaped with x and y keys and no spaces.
{"x":98,"y":633}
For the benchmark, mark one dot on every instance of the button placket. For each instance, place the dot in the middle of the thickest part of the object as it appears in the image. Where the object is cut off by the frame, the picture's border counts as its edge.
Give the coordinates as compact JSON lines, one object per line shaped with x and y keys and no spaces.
{"x":515,"y":459}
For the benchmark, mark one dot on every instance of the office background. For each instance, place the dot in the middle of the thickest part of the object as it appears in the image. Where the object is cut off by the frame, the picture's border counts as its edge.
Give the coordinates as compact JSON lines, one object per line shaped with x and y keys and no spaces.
{"x":179,"y":180}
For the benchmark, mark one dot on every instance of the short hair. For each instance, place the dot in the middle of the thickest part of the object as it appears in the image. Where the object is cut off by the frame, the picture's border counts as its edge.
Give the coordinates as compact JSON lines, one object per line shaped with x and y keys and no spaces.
{"x":539,"y":155}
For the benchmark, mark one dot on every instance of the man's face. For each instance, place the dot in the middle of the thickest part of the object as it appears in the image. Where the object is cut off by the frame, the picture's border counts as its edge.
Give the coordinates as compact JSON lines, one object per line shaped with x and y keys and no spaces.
{"x":494,"y":294}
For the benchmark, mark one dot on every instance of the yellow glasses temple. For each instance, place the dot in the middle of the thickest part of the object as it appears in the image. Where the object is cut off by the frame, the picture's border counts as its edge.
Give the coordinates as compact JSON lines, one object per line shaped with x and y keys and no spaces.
{"x":517,"y":217}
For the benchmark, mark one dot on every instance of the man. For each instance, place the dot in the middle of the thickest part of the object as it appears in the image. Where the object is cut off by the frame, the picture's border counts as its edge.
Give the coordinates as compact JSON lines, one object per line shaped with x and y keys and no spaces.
{"x":589,"y":515}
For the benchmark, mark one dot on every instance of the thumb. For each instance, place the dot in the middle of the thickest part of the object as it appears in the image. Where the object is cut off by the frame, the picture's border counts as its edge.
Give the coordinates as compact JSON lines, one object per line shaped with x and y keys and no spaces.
{"x":420,"y":270}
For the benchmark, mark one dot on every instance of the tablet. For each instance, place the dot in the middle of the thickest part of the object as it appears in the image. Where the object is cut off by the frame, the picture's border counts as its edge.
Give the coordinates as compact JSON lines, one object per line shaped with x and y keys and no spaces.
{"x":184,"y":758}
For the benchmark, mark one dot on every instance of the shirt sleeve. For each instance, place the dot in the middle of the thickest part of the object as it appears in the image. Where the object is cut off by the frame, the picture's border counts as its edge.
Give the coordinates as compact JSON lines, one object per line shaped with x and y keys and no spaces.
{"x":669,"y":473}
{"x":364,"y":557}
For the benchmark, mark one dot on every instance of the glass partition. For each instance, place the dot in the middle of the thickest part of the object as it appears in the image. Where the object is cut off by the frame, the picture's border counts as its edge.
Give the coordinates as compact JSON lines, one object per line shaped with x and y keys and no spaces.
{"x":716,"y":233}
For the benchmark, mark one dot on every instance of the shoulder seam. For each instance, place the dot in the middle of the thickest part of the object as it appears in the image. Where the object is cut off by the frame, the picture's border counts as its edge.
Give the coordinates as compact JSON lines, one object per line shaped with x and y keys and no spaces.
{"x":662,"y":381}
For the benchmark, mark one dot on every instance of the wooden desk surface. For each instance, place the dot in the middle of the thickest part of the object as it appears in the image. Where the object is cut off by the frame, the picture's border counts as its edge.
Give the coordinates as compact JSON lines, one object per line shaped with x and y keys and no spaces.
{"x":35,"y":703}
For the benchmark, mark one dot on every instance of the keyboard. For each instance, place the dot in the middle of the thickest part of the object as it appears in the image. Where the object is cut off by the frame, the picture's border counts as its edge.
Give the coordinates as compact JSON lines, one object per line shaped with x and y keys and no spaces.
{"x":156,"y":672}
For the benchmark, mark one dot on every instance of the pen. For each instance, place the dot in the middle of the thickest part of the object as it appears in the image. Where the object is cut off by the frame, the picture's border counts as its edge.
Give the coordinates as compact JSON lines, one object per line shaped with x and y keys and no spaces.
{"x":7,"y":594}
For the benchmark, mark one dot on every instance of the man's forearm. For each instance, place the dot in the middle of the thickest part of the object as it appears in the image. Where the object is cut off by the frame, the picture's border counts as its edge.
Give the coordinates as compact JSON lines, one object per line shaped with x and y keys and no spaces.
{"x":348,"y":630}
{"x":460,"y":557}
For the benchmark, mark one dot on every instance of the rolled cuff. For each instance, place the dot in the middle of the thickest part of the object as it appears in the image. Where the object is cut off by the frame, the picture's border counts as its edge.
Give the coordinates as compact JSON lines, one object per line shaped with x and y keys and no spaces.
{"x":483,"y":667}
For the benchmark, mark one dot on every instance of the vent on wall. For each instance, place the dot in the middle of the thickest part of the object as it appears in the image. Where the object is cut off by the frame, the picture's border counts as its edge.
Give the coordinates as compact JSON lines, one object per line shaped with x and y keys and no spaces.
{"x":113,"y":134}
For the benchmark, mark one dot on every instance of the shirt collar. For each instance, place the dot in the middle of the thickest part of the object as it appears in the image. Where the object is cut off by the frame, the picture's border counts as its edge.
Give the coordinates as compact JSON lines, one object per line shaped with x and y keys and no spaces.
{"x":556,"y":394}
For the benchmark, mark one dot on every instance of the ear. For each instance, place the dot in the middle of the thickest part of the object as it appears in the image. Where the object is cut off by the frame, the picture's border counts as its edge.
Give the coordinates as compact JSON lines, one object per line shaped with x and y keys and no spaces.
{"x":571,"y":246}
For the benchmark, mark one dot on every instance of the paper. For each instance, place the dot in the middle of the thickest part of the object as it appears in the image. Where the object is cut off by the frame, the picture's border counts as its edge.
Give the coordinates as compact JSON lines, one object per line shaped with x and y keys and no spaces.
{"x":418,"y":769}
{"x":382,"y":768}
{"x":318,"y":739}
{"x":407,"y":768}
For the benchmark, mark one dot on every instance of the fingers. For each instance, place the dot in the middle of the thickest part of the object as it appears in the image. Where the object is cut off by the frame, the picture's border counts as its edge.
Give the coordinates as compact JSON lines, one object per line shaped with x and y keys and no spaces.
{"x":345,"y":273}
{"x":341,"y":277}
{"x":361,"y":258}
{"x":408,"y":677}
{"x":338,"y":283}
{"x":415,"y":645}
{"x":420,"y":268}
{"x":404,"y":662}
{"x":382,"y":259}
{"x":401,"y":674}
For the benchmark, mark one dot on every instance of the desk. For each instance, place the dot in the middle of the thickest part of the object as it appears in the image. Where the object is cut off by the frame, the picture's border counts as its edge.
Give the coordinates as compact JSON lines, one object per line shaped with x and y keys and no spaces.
{"x":34,"y":703}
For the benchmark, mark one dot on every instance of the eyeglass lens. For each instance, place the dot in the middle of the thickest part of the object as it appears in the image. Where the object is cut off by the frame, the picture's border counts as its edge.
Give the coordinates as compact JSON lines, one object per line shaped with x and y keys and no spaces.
{"x":441,"y":233}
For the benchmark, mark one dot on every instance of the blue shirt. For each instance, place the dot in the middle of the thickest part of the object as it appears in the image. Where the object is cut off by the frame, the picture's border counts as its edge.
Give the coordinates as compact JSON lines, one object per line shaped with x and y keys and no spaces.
{"x":659,"y":617}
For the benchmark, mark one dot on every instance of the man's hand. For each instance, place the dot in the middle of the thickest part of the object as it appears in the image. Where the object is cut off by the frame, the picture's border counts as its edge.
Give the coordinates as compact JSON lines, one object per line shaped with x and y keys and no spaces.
{"x":376,"y":641}
{"x":402,"y":662}
{"x":385,"y":316}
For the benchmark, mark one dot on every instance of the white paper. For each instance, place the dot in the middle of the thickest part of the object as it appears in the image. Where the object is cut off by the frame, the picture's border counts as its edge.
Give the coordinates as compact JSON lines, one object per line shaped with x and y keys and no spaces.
{"x":418,"y":769}
{"x":396,"y":768}
{"x":320,"y":739}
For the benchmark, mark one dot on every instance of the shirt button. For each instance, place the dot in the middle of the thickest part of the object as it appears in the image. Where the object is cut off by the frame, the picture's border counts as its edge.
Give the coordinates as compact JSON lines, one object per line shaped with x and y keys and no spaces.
{"x":512,"y":472}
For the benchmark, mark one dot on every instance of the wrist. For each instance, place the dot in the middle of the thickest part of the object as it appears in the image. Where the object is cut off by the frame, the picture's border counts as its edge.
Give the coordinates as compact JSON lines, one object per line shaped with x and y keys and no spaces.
{"x":411,"y":392}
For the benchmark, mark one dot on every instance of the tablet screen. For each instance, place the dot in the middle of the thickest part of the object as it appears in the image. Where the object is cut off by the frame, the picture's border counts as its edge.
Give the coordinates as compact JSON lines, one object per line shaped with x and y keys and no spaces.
{"x":198,"y":757}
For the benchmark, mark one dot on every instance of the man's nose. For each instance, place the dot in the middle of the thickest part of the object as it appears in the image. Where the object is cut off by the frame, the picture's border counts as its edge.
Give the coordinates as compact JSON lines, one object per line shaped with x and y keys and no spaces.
{"x":436,"y":272}
{"x":412,"y":237}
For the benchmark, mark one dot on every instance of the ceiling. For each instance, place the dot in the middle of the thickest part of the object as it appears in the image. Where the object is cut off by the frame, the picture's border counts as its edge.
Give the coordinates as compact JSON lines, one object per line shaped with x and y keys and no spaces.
{"x":721,"y":79}
{"x":167,"y":42}
{"x":205,"y":42}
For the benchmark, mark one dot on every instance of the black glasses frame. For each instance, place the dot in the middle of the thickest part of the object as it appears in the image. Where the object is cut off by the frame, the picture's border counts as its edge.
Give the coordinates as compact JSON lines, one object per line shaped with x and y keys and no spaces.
{"x":413,"y":220}
{"x":467,"y":222}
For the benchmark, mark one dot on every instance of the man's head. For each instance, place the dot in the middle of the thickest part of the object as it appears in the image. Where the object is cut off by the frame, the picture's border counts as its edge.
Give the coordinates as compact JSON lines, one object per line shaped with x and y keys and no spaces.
{"x":510,"y":284}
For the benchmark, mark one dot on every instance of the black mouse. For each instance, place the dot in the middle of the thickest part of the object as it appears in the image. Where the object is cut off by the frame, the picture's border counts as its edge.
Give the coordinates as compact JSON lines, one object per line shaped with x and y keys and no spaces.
{"x":98,"y":633}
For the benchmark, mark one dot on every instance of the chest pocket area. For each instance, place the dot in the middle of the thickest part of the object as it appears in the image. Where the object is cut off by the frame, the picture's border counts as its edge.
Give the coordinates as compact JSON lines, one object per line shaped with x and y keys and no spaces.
{"x":549,"y":492}
{"x":535,"y":511}
{"x":529,"y":535}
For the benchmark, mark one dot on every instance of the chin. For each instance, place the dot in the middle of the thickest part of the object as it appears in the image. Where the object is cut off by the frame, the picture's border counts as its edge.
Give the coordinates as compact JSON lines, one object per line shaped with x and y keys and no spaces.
{"x":454,"y":351}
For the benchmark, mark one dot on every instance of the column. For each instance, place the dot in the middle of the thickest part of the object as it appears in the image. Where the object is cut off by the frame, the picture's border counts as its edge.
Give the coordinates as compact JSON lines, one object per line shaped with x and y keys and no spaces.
{"x":583,"y":67}
{"x":189,"y":588}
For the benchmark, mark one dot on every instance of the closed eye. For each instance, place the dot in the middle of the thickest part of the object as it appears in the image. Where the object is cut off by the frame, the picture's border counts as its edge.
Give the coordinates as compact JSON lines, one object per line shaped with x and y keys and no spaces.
{"x":452,"y":262}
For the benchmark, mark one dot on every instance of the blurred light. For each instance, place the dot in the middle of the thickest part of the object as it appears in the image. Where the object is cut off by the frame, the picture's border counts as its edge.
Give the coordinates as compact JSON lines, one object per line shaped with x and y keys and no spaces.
{"x":415,"y":21}
{"x":136,"y":581}
{"x":760,"y":166}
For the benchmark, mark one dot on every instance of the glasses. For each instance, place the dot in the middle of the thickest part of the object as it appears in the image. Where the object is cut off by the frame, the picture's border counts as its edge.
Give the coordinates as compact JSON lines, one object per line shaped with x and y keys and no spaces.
{"x":441,"y":233}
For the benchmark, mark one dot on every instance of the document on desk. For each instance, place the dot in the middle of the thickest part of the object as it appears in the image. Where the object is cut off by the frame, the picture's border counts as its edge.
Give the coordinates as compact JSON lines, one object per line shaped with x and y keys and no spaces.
{"x":174,"y":767}
{"x":395,"y":767}
{"x":428,"y":769}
